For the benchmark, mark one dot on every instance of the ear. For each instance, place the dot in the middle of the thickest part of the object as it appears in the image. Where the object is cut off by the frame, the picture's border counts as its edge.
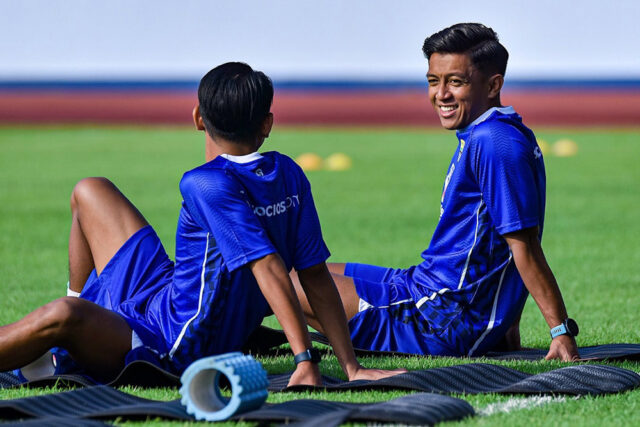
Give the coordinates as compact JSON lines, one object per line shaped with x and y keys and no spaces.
{"x":267,"y":124}
{"x":197,"y":118}
{"x":495,"y":85}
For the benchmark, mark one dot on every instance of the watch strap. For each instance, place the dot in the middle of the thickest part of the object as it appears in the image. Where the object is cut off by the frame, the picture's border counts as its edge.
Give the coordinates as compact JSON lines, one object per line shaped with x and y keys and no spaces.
{"x":310,"y":354}
{"x":558,"y":330}
{"x":568,"y":327}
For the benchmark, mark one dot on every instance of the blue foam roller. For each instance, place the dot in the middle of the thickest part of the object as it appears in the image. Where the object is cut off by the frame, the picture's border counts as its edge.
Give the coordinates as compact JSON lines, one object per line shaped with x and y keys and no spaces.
{"x":200,"y":388}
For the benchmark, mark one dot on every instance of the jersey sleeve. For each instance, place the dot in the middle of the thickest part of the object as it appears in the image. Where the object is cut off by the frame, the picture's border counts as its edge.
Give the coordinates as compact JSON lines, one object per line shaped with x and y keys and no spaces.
{"x":505,"y":170}
{"x":218,"y":205}
{"x":310,"y":248}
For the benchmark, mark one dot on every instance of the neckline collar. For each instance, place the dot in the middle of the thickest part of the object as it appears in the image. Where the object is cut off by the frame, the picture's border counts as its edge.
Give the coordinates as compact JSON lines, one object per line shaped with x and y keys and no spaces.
{"x":242,"y":159}
{"x":484,"y":116}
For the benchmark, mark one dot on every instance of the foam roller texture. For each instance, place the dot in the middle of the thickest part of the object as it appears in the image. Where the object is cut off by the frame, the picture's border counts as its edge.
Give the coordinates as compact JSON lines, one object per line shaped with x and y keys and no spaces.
{"x":200,"y":388}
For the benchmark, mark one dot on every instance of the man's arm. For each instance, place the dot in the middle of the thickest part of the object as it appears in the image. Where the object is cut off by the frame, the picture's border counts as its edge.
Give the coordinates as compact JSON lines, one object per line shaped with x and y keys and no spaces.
{"x":324,"y":299}
{"x":539,"y":280}
{"x":275,"y":284}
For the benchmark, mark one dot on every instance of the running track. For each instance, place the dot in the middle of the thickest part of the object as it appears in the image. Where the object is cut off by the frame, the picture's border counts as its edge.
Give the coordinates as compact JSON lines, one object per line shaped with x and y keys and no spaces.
{"x":561,"y":107}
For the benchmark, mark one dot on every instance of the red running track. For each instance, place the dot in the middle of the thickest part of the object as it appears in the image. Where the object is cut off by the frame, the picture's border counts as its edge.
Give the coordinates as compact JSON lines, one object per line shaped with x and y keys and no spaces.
{"x":377,"y":108}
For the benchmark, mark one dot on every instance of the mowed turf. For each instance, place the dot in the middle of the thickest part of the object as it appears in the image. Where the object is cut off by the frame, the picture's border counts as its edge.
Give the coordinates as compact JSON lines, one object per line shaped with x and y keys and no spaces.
{"x":382,"y":211}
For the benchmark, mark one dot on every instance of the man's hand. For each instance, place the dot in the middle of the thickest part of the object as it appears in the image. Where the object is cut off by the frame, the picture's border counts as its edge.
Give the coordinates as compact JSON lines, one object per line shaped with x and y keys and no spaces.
{"x":563,"y":347}
{"x":306,"y":373}
{"x":374,"y":374}
{"x":327,"y":308}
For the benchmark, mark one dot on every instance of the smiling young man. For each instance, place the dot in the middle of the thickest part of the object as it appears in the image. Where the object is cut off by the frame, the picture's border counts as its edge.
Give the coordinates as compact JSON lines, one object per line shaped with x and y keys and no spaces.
{"x":466,"y":296}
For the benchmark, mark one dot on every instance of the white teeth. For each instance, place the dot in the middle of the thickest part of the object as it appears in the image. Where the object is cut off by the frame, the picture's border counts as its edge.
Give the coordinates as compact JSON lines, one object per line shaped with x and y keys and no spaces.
{"x":447,"y":108}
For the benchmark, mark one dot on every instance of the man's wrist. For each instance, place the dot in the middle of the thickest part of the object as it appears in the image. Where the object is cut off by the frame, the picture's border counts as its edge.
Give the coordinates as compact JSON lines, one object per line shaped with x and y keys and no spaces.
{"x":567,"y":327}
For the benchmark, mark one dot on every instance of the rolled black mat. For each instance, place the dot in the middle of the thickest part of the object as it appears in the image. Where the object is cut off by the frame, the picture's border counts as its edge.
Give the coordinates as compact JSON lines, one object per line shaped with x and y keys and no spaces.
{"x":475,"y":378}
{"x":103,"y":402}
{"x":265,"y":341}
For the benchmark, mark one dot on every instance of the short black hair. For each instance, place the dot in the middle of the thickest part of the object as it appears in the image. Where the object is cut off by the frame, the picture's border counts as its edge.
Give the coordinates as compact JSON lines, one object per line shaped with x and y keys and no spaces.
{"x":234,"y":101}
{"x":480,"y":42}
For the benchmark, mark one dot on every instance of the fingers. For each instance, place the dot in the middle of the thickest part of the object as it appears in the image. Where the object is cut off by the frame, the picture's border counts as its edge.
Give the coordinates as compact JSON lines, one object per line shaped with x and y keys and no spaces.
{"x":376,"y":374}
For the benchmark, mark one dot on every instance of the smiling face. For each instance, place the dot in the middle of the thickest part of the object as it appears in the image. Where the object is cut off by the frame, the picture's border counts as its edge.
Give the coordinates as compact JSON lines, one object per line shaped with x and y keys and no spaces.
{"x":458,"y":91}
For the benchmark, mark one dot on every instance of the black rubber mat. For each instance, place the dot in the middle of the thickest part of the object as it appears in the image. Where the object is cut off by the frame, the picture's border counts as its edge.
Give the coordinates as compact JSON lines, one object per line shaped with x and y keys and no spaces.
{"x":475,"y":378}
{"x":470,"y":378}
{"x":104,"y":402}
{"x":265,"y":341}
{"x":139,"y":373}
{"x":56,"y":422}
{"x":602,"y":352}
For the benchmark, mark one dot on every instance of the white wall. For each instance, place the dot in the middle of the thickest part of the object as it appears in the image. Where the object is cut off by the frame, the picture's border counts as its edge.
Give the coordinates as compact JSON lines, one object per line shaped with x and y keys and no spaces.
{"x":358,"y":39}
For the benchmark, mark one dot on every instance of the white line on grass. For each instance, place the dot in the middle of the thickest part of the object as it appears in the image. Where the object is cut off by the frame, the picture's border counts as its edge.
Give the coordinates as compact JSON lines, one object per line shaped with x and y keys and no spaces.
{"x":519,"y":403}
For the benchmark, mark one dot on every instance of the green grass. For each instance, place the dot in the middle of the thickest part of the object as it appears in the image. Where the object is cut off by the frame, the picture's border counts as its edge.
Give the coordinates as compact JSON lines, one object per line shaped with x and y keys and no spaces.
{"x":382,"y":211}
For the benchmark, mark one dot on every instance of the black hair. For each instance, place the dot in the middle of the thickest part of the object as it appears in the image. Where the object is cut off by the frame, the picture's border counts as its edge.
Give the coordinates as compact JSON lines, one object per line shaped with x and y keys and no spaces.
{"x":480,"y":42}
{"x":234,"y":101}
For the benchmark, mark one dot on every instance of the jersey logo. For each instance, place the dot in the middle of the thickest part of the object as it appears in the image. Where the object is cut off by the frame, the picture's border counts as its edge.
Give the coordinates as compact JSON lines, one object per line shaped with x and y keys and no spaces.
{"x":462,"y":144}
{"x":277,"y":208}
{"x":537,"y":153}
{"x":259,"y":172}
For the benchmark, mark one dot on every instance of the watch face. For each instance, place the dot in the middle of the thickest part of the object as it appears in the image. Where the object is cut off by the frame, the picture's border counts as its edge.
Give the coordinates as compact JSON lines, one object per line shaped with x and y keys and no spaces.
{"x":572,"y":327}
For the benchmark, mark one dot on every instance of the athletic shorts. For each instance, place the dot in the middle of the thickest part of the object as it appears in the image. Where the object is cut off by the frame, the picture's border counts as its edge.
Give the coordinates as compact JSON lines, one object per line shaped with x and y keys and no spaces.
{"x":137,"y":271}
{"x":388,"y":319}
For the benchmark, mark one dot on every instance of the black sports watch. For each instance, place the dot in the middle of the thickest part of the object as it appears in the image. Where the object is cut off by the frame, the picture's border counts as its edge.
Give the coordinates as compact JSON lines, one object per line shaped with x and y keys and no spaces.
{"x":310,"y":354}
{"x":568,"y":327}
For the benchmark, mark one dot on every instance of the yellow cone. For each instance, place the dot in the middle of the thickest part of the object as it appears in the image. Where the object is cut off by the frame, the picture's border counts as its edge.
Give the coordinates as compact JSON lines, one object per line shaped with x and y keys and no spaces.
{"x":338,"y":162}
{"x":565,"y":148}
{"x":309,"y":161}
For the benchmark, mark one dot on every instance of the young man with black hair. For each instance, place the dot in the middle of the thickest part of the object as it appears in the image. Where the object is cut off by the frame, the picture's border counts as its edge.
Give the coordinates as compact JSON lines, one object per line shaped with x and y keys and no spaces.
{"x":466,"y":296}
{"x":246,"y":220}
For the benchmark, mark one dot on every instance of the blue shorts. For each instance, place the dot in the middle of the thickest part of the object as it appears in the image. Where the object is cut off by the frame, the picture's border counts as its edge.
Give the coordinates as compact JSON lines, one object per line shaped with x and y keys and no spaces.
{"x":137,"y":271}
{"x":388,"y":319}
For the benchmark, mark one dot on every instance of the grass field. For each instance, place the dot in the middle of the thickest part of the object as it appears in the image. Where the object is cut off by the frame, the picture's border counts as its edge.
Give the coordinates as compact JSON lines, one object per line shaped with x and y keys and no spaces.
{"x":381,"y":211}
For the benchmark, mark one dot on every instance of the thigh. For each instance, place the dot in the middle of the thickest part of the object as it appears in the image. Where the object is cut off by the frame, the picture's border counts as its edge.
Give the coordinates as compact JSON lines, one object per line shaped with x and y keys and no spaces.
{"x":106,"y":216}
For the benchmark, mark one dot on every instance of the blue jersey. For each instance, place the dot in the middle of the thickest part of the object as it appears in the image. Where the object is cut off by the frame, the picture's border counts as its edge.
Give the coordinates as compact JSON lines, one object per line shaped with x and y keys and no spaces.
{"x":464,"y":295}
{"x":233,"y":212}
{"x":468,"y":286}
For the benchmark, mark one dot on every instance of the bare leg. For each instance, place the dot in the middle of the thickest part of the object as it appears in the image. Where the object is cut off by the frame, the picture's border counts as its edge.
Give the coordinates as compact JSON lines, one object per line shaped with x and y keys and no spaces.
{"x":336,"y":268}
{"x":511,"y":339}
{"x":96,"y":338}
{"x":102,"y":221}
{"x":346,"y":289}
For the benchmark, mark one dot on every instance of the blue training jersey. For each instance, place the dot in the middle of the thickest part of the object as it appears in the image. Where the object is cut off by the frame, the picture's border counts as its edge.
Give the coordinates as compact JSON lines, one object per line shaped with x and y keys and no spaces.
{"x":468,"y":286}
{"x":233,"y":212}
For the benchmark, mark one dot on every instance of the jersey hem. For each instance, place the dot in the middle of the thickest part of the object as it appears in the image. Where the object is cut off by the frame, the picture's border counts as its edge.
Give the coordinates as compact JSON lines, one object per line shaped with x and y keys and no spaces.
{"x":246,"y":258}
{"x":516,"y":226}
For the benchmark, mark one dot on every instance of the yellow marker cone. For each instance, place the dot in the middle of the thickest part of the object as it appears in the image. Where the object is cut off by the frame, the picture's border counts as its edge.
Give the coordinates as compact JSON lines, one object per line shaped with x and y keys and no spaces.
{"x":309,"y":162}
{"x":565,"y":148}
{"x":338,"y":162}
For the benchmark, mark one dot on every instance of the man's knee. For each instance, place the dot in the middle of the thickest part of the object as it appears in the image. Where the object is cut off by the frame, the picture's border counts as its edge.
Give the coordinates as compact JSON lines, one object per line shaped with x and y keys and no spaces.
{"x":60,"y":318}
{"x":86,"y":190}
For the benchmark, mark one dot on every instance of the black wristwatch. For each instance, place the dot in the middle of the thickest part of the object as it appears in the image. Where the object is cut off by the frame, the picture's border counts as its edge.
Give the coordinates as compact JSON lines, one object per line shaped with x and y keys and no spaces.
{"x":568,"y":327}
{"x":310,"y":354}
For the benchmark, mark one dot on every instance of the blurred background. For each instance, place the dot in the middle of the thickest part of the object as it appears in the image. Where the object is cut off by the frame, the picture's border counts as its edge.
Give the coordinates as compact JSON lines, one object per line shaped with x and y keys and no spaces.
{"x":333,"y":62}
